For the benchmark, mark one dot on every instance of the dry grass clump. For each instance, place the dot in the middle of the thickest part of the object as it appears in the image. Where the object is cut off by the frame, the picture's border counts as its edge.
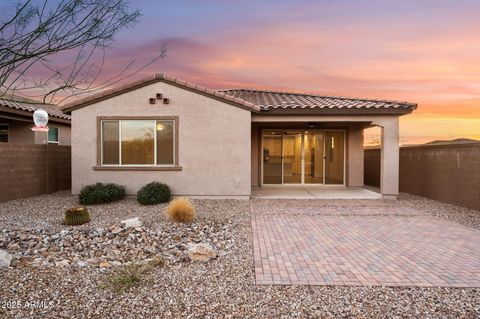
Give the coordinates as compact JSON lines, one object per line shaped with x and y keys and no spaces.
{"x":180,"y":210}
{"x":131,"y":275}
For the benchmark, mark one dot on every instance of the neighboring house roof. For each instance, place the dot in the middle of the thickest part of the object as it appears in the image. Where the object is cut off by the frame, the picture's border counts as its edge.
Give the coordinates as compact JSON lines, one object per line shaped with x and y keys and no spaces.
{"x":159,"y":77}
{"x":263,"y":100}
{"x":25,"y":104}
{"x":278,"y":100}
{"x":454,"y":141}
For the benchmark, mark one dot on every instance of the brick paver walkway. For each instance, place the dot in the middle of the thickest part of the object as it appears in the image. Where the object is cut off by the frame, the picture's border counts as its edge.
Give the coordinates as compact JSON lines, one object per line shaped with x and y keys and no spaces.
{"x":340,"y":243}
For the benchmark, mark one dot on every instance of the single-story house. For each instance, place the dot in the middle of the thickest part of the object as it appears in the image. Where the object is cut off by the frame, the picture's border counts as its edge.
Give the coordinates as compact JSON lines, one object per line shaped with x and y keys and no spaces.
{"x":221,"y":143}
{"x":16,"y":122}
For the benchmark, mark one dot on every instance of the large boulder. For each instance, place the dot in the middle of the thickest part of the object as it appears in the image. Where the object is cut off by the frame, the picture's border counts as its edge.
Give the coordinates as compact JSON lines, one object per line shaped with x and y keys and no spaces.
{"x":201,"y":252}
{"x":5,"y":259}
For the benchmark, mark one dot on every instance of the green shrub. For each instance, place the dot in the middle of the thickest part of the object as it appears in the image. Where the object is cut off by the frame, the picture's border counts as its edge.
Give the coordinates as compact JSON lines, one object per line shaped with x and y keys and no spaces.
{"x":101,"y":193}
{"x":76,"y":216}
{"x":153,"y":193}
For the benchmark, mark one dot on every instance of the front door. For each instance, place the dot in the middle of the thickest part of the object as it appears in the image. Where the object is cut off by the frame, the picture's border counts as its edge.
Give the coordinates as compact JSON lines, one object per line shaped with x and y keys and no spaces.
{"x":303,"y":157}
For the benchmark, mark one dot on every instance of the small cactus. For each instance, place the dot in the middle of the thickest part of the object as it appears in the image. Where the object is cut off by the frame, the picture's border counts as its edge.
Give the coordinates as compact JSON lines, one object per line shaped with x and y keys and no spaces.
{"x":76,"y":216}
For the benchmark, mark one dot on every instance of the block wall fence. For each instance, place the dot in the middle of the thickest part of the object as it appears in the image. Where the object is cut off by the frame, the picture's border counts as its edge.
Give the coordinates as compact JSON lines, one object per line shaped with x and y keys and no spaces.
{"x":448,"y":173}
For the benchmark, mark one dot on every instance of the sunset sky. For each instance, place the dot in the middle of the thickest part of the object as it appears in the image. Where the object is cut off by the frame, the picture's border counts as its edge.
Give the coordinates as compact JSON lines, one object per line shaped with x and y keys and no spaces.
{"x":422,"y":51}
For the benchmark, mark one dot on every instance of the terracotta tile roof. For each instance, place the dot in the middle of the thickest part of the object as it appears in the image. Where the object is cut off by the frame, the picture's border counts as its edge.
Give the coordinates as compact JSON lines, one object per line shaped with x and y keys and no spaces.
{"x":260,"y":100}
{"x":159,"y":77}
{"x":24,"y":104}
{"x":271,"y":100}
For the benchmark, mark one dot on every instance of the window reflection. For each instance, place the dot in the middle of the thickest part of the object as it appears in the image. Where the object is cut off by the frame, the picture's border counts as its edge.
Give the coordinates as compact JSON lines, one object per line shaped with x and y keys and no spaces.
{"x":137,"y":142}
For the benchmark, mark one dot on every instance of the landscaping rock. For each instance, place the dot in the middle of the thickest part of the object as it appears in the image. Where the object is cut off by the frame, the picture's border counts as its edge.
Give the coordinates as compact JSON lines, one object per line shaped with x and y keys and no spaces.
{"x":185,"y":289}
{"x":132,"y":222}
{"x":13,"y":246}
{"x":5,"y":259}
{"x":62,"y":263}
{"x":116,"y":230}
{"x":201,"y":252}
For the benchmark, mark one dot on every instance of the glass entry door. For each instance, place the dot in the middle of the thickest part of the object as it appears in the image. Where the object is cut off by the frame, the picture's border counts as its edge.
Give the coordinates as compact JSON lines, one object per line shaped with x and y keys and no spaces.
{"x":272,"y":157}
{"x":313,"y":157}
{"x":303,"y":157}
{"x":334,"y":155}
{"x":292,"y":157}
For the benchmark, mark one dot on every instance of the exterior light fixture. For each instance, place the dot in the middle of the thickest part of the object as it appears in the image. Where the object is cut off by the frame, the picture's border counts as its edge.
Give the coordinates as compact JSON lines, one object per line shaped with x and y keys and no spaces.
{"x":160,"y":127}
{"x":40,"y":118}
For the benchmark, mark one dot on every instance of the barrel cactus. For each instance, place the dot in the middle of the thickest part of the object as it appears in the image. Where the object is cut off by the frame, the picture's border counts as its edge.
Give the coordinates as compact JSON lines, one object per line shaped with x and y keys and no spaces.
{"x":76,"y":216}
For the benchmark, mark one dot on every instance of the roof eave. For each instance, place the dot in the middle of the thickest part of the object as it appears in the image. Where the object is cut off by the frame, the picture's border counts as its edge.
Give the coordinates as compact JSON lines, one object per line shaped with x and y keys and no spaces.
{"x":160,"y":77}
{"x":338,"y":111}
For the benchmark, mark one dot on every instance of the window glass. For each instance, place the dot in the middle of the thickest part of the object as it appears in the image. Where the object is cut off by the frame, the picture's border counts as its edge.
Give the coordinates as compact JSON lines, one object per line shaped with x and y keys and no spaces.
{"x":137,"y":142}
{"x":165,"y":142}
{"x":52,"y":134}
{"x":111,"y":149}
{"x":4,"y":133}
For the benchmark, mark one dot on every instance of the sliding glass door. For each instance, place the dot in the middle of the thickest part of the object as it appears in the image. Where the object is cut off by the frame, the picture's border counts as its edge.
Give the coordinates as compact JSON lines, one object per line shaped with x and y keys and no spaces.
{"x":313,"y":157}
{"x":303,"y":157}
{"x":334,"y":155}
{"x":292,"y":157}
{"x":272,"y":157}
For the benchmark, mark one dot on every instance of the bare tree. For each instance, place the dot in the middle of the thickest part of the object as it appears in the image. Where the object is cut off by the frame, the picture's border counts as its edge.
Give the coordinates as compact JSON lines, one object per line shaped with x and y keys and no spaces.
{"x":38,"y":32}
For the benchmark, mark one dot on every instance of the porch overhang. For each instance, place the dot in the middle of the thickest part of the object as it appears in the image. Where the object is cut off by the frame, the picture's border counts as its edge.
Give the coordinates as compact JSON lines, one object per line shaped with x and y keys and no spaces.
{"x":353,"y":125}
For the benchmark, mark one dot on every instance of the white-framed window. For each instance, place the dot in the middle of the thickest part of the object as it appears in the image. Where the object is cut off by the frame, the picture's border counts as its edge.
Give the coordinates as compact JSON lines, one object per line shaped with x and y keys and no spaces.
{"x":4,"y":133}
{"x":53,"y":134}
{"x":138,"y":142}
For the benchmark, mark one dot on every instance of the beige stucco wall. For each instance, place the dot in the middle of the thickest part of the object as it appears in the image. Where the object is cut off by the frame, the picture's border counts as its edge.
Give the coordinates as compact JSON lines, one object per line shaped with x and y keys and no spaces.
{"x":64,"y":135}
{"x":354,"y":156}
{"x":214,"y":143}
{"x":21,"y":133}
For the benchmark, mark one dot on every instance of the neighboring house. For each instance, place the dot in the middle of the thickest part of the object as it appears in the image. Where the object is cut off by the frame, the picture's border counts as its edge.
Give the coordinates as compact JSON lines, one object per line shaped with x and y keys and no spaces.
{"x":16,"y":122}
{"x":453,"y":142}
{"x":203,"y":142}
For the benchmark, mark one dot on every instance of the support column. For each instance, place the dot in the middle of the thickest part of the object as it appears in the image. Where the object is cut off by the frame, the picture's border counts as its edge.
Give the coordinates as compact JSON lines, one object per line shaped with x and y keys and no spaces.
{"x":355,"y":157}
{"x":389,"y":162}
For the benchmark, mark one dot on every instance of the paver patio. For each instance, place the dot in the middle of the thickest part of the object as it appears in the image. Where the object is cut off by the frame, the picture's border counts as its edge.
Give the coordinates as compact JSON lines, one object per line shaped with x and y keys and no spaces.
{"x":365,"y":242}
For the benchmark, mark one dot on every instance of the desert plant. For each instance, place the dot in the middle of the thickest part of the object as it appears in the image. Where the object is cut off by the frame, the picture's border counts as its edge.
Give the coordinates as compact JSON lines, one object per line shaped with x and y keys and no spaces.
{"x":101,"y":193}
{"x":124,"y":279}
{"x":129,"y":276}
{"x":76,"y":216}
{"x":181,"y":210}
{"x":153,"y":193}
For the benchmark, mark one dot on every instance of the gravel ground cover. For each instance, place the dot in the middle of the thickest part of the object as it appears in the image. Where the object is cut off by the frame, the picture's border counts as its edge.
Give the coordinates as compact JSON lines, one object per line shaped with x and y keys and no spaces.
{"x":462,"y":215}
{"x":47,"y":254}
